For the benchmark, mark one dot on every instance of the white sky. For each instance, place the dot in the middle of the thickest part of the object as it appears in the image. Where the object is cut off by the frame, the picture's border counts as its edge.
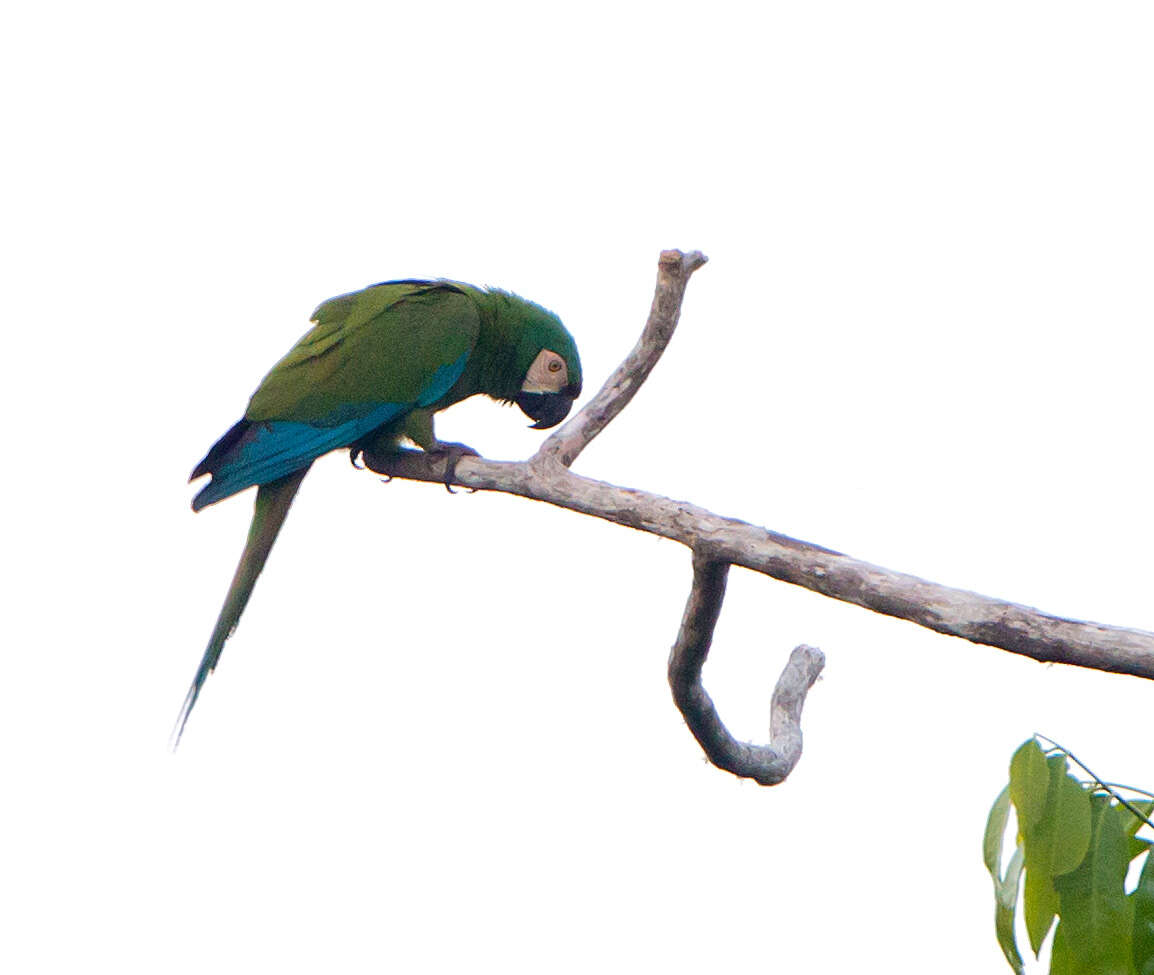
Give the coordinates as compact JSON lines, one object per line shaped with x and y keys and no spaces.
{"x":441,"y":739}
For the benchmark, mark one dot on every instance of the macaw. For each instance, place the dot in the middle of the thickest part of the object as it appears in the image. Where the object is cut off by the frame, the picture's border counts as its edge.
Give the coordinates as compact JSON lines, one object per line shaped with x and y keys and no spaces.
{"x":371,"y":372}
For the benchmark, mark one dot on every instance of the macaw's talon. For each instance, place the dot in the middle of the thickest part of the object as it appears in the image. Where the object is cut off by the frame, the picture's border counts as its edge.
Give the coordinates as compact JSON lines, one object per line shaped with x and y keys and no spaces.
{"x":355,"y":454}
{"x":452,"y":452}
{"x":387,"y":479}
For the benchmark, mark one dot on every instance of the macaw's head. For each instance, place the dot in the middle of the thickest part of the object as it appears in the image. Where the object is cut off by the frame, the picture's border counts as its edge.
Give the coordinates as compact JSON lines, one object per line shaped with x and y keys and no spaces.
{"x":549,"y":367}
{"x":549,"y":389}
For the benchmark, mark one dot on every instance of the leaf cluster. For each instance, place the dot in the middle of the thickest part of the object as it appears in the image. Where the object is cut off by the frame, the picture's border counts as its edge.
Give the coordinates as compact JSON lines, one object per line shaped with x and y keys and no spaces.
{"x":1075,"y":843}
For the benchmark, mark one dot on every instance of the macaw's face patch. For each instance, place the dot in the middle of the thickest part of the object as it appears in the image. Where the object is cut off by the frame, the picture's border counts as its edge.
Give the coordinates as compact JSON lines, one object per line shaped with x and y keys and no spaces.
{"x":547,"y":395}
{"x":547,"y":374}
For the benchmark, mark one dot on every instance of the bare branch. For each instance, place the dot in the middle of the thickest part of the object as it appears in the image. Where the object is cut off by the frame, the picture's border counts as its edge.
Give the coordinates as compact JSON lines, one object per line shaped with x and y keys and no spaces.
{"x":955,"y":612}
{"x":766,"y":764}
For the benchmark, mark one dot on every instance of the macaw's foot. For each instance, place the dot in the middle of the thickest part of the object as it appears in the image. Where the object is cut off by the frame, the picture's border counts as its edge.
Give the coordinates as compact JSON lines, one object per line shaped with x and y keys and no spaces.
{"x":452,"y":452}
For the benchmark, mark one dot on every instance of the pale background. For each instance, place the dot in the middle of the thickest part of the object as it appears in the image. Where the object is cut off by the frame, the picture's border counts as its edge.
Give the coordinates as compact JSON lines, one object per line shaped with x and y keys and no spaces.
{"x":441,"y":739}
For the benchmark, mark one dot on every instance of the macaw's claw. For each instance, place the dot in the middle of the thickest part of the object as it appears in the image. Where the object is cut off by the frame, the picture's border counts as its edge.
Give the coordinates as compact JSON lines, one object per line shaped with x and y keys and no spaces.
{"x":452,"y":452}
{"x":355,"y":454}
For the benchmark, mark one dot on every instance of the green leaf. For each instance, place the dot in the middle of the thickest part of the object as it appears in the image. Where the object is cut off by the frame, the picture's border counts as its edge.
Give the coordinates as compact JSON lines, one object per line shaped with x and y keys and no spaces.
{"x":1005,"y":891}
{"x":1007,"y":902}
{"x":1143,"y":931}
{"x":995,"y":832}
{"x":1096,"y":922}
{"x":1068,"y":807}
{"x":1055,"y":844}
{"x":1061,"y":961}
{"x":1039,"y":901}
{"x":1029,"y":781}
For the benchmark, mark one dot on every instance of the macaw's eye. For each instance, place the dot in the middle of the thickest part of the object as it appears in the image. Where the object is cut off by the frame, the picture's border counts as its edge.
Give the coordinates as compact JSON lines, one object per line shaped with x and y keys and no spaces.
{"x":555,"y":365}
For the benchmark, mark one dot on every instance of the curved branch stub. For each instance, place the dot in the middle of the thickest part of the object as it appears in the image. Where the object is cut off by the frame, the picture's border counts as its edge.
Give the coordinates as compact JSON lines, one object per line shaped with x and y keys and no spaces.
{"x":673,"y":272}
{"x":765,"y":764}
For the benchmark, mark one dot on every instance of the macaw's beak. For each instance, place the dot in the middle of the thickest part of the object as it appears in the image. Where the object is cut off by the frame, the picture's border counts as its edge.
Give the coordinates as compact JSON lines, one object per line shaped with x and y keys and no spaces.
{"x":548,"y":409}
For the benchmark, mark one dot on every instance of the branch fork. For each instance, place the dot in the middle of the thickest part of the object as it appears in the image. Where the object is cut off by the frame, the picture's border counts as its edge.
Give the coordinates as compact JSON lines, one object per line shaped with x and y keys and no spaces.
{"x":717,"y":543}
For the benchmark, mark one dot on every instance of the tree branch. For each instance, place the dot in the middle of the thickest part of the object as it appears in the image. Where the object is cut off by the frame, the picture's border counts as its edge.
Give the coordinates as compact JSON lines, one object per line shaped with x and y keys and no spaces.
{"x":955,"y":612}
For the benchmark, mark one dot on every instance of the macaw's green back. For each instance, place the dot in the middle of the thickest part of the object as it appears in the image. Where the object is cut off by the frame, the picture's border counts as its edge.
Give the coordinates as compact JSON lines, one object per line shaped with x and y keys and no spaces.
{"x":375,"y":367}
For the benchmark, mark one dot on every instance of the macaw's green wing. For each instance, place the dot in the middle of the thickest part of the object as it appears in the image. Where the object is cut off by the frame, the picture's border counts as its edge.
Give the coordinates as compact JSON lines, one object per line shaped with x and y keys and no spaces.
{"x":392,"y":343}
{"x":371,"y":358}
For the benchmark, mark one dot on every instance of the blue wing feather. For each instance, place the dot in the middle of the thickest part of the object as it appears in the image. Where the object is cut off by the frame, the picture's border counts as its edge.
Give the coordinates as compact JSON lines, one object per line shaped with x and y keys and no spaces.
{"x":270,"y":449}
{"x":442,"y":380}
{"x":256,"y":452}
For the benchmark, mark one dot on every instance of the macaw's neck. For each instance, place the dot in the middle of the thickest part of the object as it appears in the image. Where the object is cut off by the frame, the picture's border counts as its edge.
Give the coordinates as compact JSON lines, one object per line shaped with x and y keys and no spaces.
{"x":505,"y":344}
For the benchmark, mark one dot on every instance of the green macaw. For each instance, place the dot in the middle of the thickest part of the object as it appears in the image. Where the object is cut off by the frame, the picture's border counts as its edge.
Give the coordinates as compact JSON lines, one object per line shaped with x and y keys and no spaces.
{"x":372,"y":371}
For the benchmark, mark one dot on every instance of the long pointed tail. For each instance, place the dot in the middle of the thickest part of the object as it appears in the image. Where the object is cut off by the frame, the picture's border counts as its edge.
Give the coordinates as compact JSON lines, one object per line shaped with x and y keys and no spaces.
{"x":273,"y":501}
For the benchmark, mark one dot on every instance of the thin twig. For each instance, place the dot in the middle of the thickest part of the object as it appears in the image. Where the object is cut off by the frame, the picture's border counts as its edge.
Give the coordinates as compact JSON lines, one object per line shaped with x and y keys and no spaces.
{"x":1129,"y":788}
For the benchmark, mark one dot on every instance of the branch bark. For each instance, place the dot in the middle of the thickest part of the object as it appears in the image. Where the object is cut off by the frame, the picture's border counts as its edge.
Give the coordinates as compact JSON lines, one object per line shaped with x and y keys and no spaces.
{"x":728,"y":541}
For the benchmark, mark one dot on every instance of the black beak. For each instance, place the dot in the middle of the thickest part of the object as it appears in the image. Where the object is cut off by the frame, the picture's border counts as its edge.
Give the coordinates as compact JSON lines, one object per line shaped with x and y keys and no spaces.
{"x":548,"y":409}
